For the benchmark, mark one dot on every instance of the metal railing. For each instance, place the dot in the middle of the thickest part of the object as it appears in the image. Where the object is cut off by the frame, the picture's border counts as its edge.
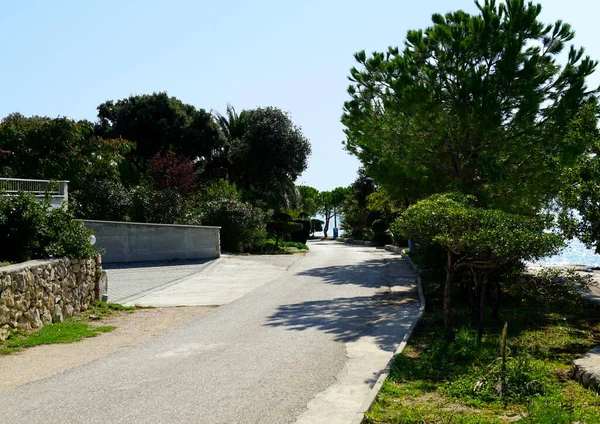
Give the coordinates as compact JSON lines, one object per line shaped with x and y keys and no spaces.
{"x":37,"y":187}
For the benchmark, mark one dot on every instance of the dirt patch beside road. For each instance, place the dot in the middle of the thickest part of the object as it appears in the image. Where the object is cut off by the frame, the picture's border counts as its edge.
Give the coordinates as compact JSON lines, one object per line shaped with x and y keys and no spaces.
{"x":132,"y":328}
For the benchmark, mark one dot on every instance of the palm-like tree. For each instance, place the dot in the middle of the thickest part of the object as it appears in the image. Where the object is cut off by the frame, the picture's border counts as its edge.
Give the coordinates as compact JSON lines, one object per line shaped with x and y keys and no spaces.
{"x":281,"y":194}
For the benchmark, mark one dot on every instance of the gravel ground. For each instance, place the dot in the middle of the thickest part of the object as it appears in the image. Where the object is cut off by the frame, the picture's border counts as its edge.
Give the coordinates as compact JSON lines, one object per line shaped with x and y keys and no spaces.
{"x":44,"y":361}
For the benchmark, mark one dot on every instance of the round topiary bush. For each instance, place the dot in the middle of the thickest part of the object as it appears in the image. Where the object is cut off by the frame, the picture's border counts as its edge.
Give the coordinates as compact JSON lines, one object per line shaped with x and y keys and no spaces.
{"x":240,"y":222}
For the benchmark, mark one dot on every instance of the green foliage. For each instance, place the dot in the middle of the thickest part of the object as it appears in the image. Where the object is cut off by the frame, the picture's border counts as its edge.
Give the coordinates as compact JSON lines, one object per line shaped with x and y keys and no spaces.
{"x":357,"y":215}
{"x":316,"y":225}
{"x":264,"y":153}
{"x":270,"y":246}
{"x":31,"y":230}
{"x":272,"y":149}
{"x":149,"y":204}
{"x":475,"y":103}
{"x":477,"y":236}
{"x":581,"y":192}
{"x":330,"y":203}
{"x":435,"y":381}
{"x":301,"y":236}
{"x":157,"y":123}
{"x":241,"y":223}
{"x":310,"y":200}
{"x":549,"y":289}
{"x":58,"y":149}
{"x":103,"y":199}
{"x":281,"y":225}
{"x":218,"y":190}
{"x":61,"y":332}
{"x":381,"y":235}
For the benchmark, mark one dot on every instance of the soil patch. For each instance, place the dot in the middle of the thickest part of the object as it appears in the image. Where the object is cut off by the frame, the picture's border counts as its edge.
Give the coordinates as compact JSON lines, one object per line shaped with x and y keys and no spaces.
{"x":132,"y":328}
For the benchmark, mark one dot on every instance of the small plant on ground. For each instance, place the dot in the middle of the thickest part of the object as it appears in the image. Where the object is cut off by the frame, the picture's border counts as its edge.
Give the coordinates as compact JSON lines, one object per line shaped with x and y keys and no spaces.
{"x":69,"y":331}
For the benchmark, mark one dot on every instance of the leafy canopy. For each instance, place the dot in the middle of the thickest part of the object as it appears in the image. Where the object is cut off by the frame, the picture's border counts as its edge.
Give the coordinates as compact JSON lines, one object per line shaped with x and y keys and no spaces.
{"x":157,"y":123}
{"x":475,"y":103}
{"x":581,"y":190}
{"x":59,"y":148}
{"x":475,"y":236}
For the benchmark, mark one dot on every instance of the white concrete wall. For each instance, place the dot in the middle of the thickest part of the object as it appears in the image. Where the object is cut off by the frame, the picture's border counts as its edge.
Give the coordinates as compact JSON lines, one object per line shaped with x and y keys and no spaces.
{"x":137,"y":242}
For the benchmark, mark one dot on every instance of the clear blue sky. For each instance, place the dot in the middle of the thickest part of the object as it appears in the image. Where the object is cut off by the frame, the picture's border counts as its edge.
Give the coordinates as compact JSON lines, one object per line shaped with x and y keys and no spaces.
{"x":66,"y":57}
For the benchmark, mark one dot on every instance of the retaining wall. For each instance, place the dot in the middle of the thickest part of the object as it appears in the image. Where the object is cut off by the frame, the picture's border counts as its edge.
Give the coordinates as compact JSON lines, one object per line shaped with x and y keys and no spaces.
{"x":42,"y":292}
{"x":138,"y":242}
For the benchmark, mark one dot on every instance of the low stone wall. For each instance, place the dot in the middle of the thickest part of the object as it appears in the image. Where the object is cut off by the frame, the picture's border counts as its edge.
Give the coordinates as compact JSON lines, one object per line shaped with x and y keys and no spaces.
{"x":139,"y":242}
{"x":42,"y":292}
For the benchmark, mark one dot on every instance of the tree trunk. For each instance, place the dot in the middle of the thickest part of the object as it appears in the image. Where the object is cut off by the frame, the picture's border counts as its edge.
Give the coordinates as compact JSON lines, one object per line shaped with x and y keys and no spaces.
{"x":484,"y":288}
{"x":449,"y":329}
{"x":326,"y":227}
{"x":276,"y":241}
{"x":496,"y":310}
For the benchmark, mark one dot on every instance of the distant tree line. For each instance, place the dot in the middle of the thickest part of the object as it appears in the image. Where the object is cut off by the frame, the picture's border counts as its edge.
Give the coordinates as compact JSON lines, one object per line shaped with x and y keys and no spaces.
{"x":153,"y":158}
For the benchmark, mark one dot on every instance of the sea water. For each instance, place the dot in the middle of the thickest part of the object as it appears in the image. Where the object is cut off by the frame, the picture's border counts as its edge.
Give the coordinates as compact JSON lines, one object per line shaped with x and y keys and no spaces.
{"x":574,"y":254}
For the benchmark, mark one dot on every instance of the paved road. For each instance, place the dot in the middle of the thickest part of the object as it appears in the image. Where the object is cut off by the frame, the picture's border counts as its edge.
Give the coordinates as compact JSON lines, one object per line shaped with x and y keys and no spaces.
{"x":304,"y":347}
{"x":130,"y":281}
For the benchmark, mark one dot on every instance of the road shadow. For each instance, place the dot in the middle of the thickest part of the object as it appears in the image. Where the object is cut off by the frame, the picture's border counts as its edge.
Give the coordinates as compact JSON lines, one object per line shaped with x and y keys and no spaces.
{"x":347,"y":318}
{"x":154,"y":264}
{"x":371,"y":273}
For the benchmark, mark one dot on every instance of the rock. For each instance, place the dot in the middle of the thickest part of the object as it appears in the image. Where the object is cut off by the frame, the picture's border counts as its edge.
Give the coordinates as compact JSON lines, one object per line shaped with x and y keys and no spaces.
{"x":4,"y":333}
{"x":587,"y":369}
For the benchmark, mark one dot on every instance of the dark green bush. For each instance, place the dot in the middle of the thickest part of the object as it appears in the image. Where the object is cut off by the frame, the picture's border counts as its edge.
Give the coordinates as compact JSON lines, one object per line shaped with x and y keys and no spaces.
{"x":31,"y":230}
{"x":316,"y":225}
{"x":281,"y":225}
{"x":267,"y":246}
{"x":104,"y":199}
{"x":149,"y":204}
{"x":381,"y":234}
{"x":241,"y":223}
{"x":302,"y":235}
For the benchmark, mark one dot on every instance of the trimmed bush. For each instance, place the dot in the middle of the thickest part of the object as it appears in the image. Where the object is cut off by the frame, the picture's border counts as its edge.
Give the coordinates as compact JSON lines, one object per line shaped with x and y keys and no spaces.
{"x":281,"y":225}
{"x":302,"y":235}
{"x":31,"y":230}
{"x":241,"y":223}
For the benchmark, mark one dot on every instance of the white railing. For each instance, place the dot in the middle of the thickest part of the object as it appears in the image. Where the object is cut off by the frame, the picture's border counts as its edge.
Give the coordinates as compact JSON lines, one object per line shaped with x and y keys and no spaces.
{"x":58,"y":190}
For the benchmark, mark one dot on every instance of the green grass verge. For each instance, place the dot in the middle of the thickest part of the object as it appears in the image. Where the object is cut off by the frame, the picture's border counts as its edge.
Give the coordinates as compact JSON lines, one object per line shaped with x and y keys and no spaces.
{"x":267,"y":247}
{"x":70,"y":331}
{"x":436,"y":382}
{"x":61,"y":332}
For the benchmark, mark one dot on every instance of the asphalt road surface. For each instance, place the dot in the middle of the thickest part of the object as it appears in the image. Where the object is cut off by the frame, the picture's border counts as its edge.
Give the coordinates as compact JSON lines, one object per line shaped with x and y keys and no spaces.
{"x":306,"y":345}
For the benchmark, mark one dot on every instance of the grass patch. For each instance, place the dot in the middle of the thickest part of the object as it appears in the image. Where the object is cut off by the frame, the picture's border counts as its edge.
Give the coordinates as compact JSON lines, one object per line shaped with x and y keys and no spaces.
{"x":105,"y":308}
{"x":71,"y":330}
{"x":267,"y":247}
{"x":433,"y":381}
{"x":61,"y":332}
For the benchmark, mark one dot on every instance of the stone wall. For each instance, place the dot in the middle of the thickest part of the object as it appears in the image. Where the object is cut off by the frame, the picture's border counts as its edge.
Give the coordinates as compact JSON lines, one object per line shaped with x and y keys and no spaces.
{"x":42,"y":292}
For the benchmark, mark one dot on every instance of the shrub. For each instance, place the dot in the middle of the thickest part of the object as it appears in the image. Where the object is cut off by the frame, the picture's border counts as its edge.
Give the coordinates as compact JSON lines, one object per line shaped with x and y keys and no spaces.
{"x":104,"y":199}
{"x":316,"y":225}
{"x":302,"y":235}
{"x":157,"y":206}
{"x":281,"y":225}
{"x":31,"y":230}
{"x":380,"y":232}
{"x":171,"y":171}
{"x":241,"y":223}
